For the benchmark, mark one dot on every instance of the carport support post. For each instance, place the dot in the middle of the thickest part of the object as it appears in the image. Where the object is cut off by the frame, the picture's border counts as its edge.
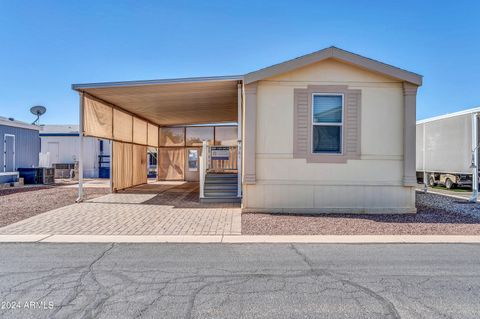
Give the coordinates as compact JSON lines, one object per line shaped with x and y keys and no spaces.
{"x":239,"y":137}
{"x":80,"y":152}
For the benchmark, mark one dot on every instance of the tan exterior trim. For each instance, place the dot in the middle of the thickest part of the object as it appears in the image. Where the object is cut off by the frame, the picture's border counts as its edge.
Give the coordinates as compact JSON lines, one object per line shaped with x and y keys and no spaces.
{"x":338,"y":54}
{"x":249,"y":140}
{"x":409,"y":134}
{"x":302,"y":132}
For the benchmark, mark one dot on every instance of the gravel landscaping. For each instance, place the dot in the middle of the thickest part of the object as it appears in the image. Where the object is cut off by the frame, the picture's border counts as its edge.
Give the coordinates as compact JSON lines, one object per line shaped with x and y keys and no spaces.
{"x":20,"y":203}
{"x":436,"y":215}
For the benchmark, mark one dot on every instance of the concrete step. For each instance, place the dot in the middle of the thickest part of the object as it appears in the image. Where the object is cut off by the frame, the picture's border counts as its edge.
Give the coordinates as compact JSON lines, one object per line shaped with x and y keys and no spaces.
{"x":220,"y":194}
{"x":221,"y":186}
{"x":221,"y":182}
{"x":220,"y":175}
{"x":231,"y":199}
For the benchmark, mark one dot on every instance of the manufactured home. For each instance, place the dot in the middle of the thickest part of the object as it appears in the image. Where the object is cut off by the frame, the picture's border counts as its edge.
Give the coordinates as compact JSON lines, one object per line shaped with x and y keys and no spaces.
{"x":19,"y":148}
{"x":331,"y":131}
{"x":61,"y":143}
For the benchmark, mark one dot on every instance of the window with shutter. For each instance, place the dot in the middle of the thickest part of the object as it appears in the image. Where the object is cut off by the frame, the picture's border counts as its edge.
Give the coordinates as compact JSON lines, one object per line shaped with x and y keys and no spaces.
{"x":327,"y":124}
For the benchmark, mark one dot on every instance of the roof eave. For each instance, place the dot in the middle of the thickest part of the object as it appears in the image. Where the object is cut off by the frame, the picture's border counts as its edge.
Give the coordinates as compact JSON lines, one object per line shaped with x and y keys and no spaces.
{"x":83,"y":86}
{"x":338,"y":54}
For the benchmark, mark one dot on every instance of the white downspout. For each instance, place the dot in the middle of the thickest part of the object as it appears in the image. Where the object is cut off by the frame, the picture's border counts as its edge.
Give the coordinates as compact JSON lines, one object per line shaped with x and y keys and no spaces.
{"x":474,"y":165}
{"x":80,"y":151}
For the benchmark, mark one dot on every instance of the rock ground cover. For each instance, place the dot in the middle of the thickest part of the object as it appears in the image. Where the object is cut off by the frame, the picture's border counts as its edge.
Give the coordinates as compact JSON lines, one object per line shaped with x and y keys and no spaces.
{"x":436,"y":215}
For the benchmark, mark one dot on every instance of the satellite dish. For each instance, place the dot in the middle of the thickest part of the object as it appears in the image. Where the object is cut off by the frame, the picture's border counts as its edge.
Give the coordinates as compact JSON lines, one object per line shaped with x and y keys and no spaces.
{"x":38,"y":110}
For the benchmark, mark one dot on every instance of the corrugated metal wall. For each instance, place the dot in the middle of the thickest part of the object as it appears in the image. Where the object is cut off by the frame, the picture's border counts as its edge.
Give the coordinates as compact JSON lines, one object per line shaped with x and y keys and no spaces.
{"x":27,"y":146}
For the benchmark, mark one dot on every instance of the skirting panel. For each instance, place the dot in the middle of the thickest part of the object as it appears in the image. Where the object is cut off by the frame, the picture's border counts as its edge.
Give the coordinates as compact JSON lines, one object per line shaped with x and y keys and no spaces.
{"x":312,"y":199}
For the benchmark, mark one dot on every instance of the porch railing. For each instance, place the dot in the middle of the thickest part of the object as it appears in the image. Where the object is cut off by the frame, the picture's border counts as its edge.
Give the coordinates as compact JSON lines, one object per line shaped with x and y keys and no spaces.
{"x":220,"y":159}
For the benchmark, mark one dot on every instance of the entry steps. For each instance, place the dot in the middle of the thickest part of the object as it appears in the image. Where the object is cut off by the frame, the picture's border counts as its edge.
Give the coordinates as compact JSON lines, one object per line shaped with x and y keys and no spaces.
{"x":221,"y":188}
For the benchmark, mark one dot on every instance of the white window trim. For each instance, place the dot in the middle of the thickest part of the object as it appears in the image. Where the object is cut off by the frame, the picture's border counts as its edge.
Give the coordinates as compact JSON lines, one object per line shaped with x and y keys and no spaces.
{"x":313,"y":123}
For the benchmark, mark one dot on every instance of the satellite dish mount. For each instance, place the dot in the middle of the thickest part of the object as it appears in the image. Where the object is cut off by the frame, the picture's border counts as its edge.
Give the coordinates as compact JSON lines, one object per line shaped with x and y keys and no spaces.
{"x":38,"y":110}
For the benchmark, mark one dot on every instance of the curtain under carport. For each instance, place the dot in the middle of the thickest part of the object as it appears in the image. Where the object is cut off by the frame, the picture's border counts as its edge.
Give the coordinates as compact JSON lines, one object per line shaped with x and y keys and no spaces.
{"x":130,"y":135}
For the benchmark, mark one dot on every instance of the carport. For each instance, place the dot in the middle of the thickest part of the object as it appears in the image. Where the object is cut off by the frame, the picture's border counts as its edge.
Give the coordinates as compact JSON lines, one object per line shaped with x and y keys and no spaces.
{"x":132,"y":114}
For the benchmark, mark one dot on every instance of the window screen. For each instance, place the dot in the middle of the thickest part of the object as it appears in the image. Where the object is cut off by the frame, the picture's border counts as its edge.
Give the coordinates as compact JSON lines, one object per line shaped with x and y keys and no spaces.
{"x":327,"y":123}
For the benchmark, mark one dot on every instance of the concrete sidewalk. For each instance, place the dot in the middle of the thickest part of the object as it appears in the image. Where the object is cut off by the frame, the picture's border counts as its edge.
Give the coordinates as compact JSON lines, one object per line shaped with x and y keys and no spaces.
{"x":239,"y":239}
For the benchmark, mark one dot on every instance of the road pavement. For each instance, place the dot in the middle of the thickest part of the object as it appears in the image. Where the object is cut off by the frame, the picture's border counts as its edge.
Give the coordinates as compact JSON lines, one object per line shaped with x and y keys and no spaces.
{"x":46,"y":280}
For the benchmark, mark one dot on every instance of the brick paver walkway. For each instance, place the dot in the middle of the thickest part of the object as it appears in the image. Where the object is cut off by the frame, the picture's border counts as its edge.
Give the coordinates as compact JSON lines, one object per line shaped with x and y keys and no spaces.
{"x":145,"y":210}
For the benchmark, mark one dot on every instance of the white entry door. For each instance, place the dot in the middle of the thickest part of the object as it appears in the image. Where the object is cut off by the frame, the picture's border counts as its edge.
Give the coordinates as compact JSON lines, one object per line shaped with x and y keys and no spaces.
{"x":54,"y":149}
{"x":9,"y":153}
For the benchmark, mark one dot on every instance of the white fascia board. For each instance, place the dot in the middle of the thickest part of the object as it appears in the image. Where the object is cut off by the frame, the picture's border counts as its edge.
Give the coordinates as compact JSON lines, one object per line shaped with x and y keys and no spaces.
{"x":78,"y":87}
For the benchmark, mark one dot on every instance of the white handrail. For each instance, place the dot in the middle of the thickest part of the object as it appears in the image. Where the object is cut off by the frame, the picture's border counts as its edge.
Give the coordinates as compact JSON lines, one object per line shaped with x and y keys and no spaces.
{"x":203,"y":168}
{"x":239,"y":169}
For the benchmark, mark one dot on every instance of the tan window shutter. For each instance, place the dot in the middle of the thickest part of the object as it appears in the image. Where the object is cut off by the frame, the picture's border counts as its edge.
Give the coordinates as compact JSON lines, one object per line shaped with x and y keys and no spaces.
{"x":352,"y":123}
{"x":301,"y":130}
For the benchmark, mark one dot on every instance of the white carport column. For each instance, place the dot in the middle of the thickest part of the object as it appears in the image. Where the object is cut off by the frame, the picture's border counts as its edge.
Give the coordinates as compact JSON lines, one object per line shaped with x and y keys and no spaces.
{"x":80,"y":151}
{"x":239,"y":138}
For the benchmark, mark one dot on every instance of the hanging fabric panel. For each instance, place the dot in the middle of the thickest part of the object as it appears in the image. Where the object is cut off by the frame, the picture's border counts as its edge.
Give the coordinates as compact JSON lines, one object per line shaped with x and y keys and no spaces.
{"x":122,"y":165}
{"x":97,"y":118}
{"x":122,"y":126}
{"x":152,"y":135}
{"x":117,"y":162}
{"x":139,"y":164}
{"x":139,"y":131}
{"x":171,"y":163}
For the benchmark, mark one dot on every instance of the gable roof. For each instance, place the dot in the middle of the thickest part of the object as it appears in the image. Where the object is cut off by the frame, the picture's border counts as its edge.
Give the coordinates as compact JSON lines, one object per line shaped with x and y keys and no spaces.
{"x":337,"y":54}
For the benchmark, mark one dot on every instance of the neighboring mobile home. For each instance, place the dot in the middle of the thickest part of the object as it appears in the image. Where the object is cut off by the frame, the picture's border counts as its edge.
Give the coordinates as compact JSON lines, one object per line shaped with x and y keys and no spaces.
{"x":330,"y":131}
{"x":20,"y":147}
{"x":62,"y":144}
{"x":447,"y":149}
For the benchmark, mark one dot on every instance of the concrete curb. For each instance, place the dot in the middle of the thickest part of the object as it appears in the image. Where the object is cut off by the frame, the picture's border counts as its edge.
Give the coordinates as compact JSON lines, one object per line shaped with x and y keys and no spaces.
{"x":241,"y":239}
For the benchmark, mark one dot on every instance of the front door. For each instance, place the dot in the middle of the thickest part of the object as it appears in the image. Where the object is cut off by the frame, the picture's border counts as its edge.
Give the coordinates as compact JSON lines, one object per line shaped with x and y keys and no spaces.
{"x":9,"y":153}
{"x":192,"y":170}
{"x":54,"y":149}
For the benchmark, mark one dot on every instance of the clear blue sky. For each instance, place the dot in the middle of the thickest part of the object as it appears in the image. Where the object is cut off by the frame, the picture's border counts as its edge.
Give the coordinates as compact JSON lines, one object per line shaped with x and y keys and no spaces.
{"x":45,"y":46}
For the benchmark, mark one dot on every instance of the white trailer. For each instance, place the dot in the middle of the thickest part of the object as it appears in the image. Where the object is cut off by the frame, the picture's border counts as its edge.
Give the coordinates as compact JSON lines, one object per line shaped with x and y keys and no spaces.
{"x":447,"y":149}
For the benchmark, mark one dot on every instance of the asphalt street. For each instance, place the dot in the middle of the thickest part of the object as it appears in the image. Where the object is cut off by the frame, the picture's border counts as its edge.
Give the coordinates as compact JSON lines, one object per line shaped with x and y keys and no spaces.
{"x":239,"y":281}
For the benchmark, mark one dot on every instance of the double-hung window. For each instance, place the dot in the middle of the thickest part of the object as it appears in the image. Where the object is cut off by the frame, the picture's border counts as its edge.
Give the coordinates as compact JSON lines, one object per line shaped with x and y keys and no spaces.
{"x":327,"y":123}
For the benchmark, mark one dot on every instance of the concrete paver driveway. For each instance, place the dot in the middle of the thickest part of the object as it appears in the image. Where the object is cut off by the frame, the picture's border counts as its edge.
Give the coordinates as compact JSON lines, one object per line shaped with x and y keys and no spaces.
{"x":152,"y":209}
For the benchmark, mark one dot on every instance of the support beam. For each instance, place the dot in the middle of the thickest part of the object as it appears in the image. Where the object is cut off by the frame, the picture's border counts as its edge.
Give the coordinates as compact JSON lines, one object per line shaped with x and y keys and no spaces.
{"x":250,"y":127}
{"x":409,"y":134}
{"x":80,"y":151}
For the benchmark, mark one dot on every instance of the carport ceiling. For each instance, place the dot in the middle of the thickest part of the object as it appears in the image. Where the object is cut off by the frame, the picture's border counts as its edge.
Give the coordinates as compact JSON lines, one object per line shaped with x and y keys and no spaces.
{"x":173,"y":102}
